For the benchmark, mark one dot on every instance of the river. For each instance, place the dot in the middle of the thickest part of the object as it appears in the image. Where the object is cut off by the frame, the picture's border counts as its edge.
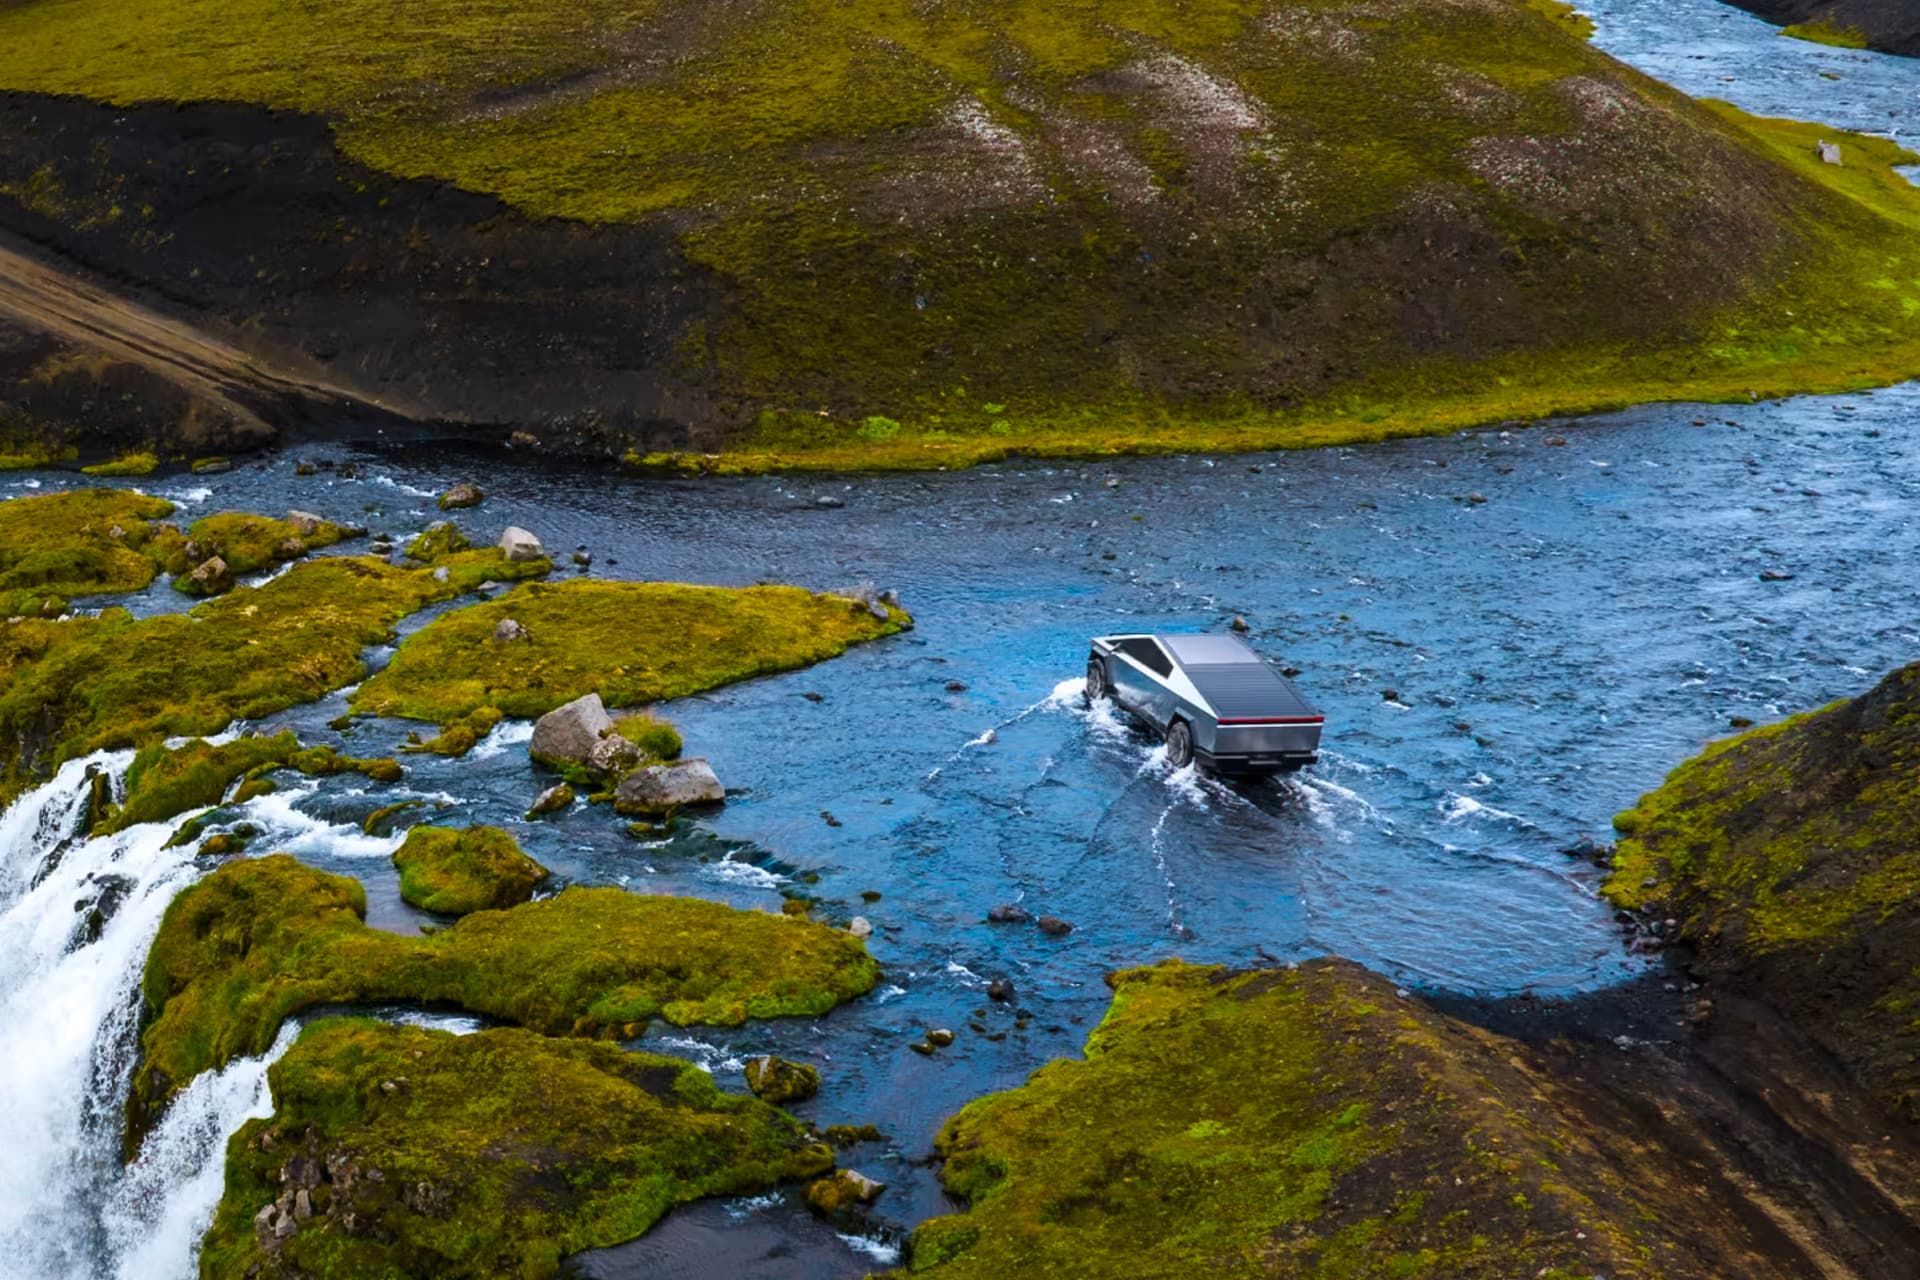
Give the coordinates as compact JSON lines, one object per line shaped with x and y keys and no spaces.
{"x":1551,"y":651}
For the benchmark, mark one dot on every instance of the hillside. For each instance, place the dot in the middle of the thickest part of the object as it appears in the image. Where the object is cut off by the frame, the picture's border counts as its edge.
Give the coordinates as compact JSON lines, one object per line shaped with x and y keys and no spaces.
{"x":911,"y":234}
{"x":1790,"y":857}
{"x":1891,"y":25}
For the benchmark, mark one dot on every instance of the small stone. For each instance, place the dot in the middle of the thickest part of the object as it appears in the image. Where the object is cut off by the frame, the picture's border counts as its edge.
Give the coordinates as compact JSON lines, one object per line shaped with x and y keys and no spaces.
{"x":1238,"y":624}
{"x":1476,"y":498}
{"x":614,"y":757}
{"x":1775,"y":575}
{"x":811,"y":696}
{"x":304,"y":523}
{"x":1829,"y":152}
{"x":583,"y":558}
{"x":520,"y":545}
{"x":1390,"y":695}
{"x":1055,"y":927}
{"x":869,"y":895}
{"x":956,"y":686}
{"x":211,"y":576}
{"x":523,"y":440}
{"x":860,"y":927}
{"x":940,"y":1037}
{"x":1112,"y":482}
{"x":552,"y":800}
{"x":842,"y":1191}
{"x":509,"y":630}
{"x":1558,"y":442}
{"x":1740,"y":722}
{"x":1008,"y":913}
{"x":828,"y":502}
{"x":1000,"y":989}
{"x":304,"y":468}
{"x":460,"y":496}
{"x":921,"y":1047}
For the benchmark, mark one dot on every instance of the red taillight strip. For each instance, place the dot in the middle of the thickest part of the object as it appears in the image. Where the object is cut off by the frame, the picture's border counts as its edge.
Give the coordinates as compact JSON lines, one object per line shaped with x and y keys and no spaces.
{"x":1273,"y":720}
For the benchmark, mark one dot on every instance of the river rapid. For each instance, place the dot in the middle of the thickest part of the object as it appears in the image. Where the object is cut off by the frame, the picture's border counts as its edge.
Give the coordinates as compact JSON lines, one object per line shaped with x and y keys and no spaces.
{"x":1499,"y":675}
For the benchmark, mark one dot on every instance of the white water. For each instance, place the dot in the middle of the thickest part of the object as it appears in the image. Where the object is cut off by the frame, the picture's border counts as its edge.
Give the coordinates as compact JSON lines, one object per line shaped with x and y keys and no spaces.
{"x":68,"y":1023}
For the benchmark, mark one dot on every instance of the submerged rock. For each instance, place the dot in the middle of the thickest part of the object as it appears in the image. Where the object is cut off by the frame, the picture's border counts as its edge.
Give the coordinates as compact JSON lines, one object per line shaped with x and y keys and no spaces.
{"x":553,"y":800}
{"x":461,"y":496}
{"x":662,"y":788}
{"x":779,"y":1081}
{"x":842,"y":1192}
{"x":1009,"y":913}
{"x":395,"y":1150}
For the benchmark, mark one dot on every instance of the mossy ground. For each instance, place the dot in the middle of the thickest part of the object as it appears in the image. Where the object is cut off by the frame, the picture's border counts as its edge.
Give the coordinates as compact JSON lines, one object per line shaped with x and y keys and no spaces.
{"x":486,"y":1155}
{"x":247,"y":543}
{"x":1790,"y":855}
{"x":164,"y":781}
{"x":1826,"y":30}
{"x":630,"y":642}
{"x":940,"y":233}
{"x":260,"y":939}
{"x":59,"y":546}
{"x":138,"y":463}
{"x":1307,"y":1122}
{"x":75,"y":685}
{"x":457,"y":872}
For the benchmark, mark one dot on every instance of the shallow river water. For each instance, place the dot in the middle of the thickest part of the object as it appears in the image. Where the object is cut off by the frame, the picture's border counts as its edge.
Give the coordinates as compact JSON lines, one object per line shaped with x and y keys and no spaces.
{"x":1551,"y":652}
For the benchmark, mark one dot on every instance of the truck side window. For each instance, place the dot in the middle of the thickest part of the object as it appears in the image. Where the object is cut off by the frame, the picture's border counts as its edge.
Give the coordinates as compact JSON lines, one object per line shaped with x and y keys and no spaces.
{"x":1148,"y":654}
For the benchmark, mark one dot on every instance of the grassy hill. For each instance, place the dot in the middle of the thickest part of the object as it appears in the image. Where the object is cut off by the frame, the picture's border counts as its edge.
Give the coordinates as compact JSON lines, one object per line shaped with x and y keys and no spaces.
{"x":906,"y":234}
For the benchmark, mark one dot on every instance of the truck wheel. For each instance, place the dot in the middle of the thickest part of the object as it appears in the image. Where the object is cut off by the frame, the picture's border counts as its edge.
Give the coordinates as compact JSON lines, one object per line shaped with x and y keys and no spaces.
{"x":1179,"y":744}
{"x":1096,"y":679}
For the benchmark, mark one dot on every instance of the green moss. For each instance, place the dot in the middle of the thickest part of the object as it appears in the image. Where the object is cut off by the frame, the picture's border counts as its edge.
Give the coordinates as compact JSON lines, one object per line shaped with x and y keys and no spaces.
{"x":259,"y":940}
{"x":59,"y":545}
{"x":165,"y":781}
{"x":632,"y":642}
{"x":440,"y":539}
{"x":127,"y":464}
{"x":486,"y":1155}
{"x":456,"y":872}
{"x":1790,"y":857}
{"x":891,"y":202}
{"x":247,"y":543}
{"x":1827,"y":30}
{"x":1306,"y":1122}
{"x":78,"y":685}
{"x":656,"y":738}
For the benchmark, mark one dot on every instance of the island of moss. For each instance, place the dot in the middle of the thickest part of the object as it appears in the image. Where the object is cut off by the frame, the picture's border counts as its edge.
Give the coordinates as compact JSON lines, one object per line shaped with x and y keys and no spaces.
{"x":263,"y":938}
{"x":75,"y":685}
{"x":457,"y":871}
{"x":630,"y":642}
{"x":397,"y":1151}
{"x":1790,"y":858}
{"x":1310,"y":1121}
{"x":83,"y":542}
{"x":164,"y":781}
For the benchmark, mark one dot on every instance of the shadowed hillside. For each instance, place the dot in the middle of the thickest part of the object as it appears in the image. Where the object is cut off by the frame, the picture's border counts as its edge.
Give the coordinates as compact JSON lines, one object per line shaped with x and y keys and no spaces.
{"x":913,"y":233}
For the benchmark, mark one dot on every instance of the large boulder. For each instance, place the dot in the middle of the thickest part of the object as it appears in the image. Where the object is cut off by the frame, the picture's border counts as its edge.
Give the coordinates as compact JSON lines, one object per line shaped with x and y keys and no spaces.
{"x":613,"y":756}
{"x":520,"y":545}
{"x":567,"y":734}
{"x":662,"y":788}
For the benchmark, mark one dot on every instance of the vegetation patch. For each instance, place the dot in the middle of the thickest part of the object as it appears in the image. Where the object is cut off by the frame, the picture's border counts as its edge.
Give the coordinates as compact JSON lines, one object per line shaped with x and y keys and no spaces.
{"x":940,"y":233}
{"x":76,"y":685}
{"x":631,"y":642}
{"x":1300,"y":1122}
{"x":245,"y":543}
{"x":397,"y":1151}
{"x":1827,"y":30}
{"x":458,"y":871}
{"x":1790,"y":855}
{"x":83,"y":542}
{"x":261,"y":939}
{"x":127,"y":464}
{"x":164,"y":781}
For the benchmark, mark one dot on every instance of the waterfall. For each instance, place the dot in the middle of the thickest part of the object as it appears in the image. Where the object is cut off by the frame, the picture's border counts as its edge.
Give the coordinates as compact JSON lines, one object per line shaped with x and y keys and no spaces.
{"x":77,"y":916}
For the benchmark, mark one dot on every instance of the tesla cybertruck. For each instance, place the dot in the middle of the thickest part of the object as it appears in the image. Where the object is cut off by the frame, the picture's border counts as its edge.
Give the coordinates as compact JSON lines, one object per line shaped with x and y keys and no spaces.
{"x":1215,"y":699}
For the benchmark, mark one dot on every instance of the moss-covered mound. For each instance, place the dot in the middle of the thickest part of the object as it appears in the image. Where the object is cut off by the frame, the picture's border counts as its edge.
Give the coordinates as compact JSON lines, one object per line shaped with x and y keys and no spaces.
{"x":457,"y":872}
{"x":263,"y":938}
{"x":245,"y":543}
{"x":631,"y":642}
{"x":866,"y":230}
{"x":75,"y":685}
{"x":1790,"y":856}
{"x":83,"y":542}
{"x":394,"y":1151}
{"x":164,"y":781}
{"x":1307,"y":1122}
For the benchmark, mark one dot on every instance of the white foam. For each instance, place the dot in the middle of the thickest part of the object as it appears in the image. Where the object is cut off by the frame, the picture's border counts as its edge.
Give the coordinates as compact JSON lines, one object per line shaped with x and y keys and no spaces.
{"x":877,"y":1249}
{"x":709,"y":1058}
{"x":506,"y":734}
{"x":742,"y":873}
{"x":417,"y":492}
{"x":1457,"y":807}
{"x":198,"y":494}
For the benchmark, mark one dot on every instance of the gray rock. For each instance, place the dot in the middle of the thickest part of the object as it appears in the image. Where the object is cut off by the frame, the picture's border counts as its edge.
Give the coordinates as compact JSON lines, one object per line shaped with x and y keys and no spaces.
{"x":613,"y":756}
{"x":1008,"y":913}
{"x":940,"y":1037}
{"x":520,"y":545}
{"x":1829,"y":151}
{"x":304,"y":523}
{"x":462,"y":495}
{"x":662,"y":788}
{"x":552,"y":800}
{"x":212,"y":576}
{"x":1055,"y":927}
{"x":1000,"y":989}
{"x":860,"y":927}
{"x":864,"y":595}
{"x":567,"y":735}
{"x":509,"y":630}
{"x":1775,"y":575}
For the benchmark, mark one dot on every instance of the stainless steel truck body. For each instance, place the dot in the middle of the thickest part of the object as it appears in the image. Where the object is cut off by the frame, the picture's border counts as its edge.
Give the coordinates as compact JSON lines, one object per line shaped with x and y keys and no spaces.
{"x":1216,"y":700}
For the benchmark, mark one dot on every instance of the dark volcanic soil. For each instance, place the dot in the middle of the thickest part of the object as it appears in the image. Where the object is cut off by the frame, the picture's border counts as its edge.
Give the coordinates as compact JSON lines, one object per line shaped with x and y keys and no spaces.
{"x":422,"y":304}
{"x":1892,"y":25}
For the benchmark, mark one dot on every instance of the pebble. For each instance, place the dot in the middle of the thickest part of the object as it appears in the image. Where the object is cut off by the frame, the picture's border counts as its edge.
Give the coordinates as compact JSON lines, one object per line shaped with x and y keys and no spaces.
{"x":940,"y":1037}
{"x":1008,"y":913}
{"x":1054,"y":926}
{"x":1000,"y":989}
{"x":860,"y":927}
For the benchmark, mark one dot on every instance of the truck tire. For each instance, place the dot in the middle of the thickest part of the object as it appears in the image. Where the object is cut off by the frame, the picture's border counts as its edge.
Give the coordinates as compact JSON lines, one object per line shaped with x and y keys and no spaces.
{"x":1097,"y":686}
{"x":1179,"y":744}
